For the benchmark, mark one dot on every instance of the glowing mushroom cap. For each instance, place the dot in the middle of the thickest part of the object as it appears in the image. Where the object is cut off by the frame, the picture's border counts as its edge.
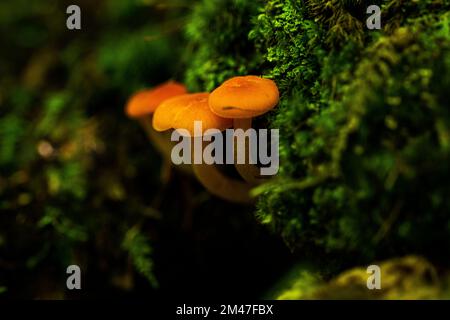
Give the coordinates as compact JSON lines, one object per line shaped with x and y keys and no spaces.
{"x":146,"y":101}
{"x":181,"y":112}
{"x":244,"y":97}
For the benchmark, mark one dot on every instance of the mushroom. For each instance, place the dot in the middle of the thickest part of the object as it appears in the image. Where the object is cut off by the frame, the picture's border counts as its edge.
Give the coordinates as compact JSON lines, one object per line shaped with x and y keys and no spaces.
{"x":141,"y":107}
{"x":180,"y":113}
{"x":241,"y":99}
{"x":145,"y":102}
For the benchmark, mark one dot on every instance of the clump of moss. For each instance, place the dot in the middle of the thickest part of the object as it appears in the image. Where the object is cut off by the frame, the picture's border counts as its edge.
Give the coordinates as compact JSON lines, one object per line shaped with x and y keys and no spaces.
{"x":363,"y":118}
{"x":397,"y":13}
{"x":291,"y":45}
{"x":342,"y":20}
{"x":398,"y":276}
{"x":367,"y":173}
{"x":218,"y":47}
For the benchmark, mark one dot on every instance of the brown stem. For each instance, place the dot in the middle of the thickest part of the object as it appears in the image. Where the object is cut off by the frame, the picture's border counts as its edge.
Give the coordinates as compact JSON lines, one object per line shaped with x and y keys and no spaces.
{"x":249,"y":172}
{"x":161,"y":141}
{"x":219,"y":184}
{"x":222,"y":186}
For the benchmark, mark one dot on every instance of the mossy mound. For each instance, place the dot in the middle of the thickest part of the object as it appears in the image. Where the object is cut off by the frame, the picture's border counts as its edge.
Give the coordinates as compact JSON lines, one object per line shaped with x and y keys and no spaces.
{"x":363,"y":119}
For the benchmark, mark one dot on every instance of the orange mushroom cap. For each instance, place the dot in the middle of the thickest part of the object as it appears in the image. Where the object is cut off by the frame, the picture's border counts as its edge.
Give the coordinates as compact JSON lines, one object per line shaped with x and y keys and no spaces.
{"x":181,"y":112}
{"x":146,"y":101}
{"x":244,"y":97}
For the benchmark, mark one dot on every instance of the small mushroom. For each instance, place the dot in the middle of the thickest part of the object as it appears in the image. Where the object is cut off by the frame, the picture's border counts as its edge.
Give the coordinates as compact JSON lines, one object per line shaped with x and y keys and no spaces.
{"x":181,"y":113}
{"x":145,"y":102}
{"x":141,"y":107}
{"x":241,"y":99}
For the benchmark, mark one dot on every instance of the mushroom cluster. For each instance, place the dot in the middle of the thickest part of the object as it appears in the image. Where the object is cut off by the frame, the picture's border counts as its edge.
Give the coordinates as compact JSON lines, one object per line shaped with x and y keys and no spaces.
{"x":232,"y":104}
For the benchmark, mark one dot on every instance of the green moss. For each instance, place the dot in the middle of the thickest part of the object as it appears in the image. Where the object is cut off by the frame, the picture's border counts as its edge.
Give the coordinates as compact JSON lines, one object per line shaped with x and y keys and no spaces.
{"x":290,"y":44}
{"x":363,"y":118}
{"x":218,"y":47}
{"x":397,"y":276}
{"x":375,"y":159}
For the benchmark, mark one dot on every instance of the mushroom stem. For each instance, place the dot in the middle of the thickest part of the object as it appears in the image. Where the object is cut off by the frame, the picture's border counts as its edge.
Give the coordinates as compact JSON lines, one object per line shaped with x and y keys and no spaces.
{"x":161,"y":141}
{"x":221,"y":185}
{"x":249,"y":172}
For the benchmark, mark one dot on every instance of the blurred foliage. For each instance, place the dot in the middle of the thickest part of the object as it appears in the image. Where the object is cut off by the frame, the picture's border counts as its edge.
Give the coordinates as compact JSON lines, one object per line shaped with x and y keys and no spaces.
{"x":68,"y":158}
